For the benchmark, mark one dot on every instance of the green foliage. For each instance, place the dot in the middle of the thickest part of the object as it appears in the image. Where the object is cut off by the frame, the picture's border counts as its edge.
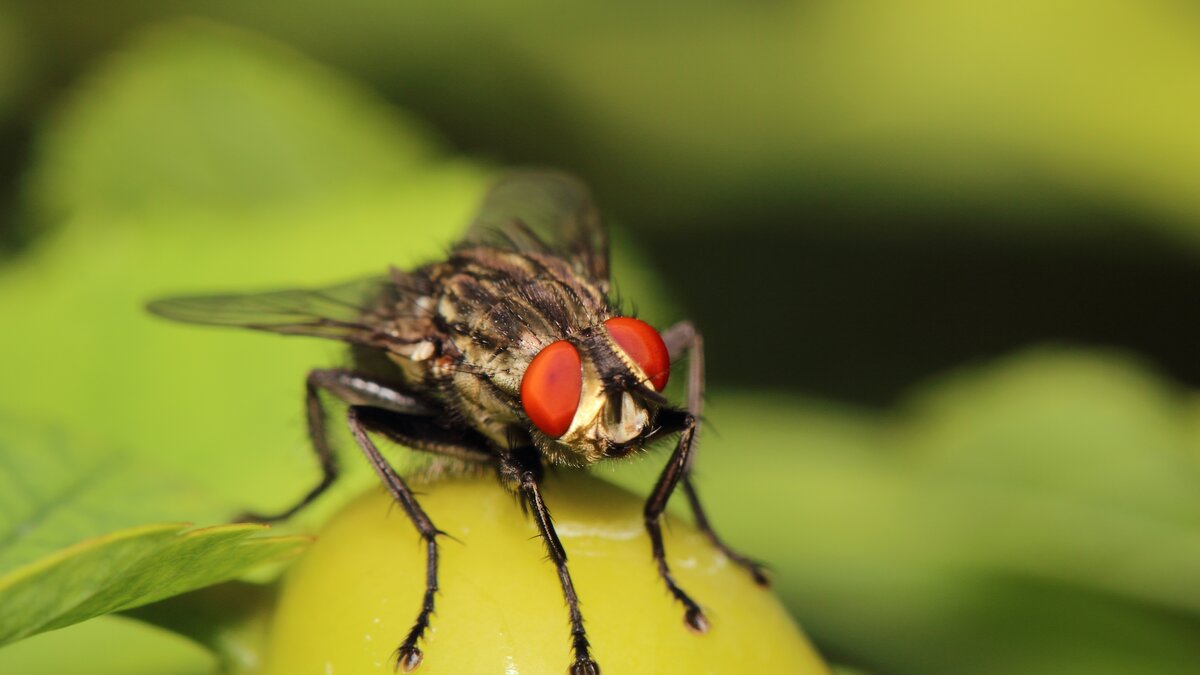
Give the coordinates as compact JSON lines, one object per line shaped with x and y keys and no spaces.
{"x":1034,"y":515}
{"x":72,"y":546}
{"x":129,"y":568}
{"x":57,"y":489}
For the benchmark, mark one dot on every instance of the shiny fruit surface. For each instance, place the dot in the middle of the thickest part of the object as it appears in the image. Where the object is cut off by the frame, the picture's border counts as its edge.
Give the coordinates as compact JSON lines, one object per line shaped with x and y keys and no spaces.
{"x":346,"y":605}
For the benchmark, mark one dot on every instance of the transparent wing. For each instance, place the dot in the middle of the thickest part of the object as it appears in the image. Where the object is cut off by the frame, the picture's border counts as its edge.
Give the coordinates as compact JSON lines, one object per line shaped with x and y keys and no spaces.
{"x":352,"y":312}
{"x":543,"y":211}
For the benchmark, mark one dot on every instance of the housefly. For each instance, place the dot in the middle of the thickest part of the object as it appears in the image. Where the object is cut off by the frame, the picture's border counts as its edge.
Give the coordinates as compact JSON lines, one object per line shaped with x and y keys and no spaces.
{"x":508,"y":355}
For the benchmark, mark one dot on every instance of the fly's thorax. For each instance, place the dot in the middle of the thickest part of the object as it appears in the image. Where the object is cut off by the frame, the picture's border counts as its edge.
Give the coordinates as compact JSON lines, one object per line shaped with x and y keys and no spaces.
{"x":500,"y":309}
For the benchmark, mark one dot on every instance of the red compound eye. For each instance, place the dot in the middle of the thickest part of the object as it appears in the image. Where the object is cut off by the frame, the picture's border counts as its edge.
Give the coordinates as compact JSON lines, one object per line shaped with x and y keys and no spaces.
{"x":644,"y":345}
{"x":550,"y":388}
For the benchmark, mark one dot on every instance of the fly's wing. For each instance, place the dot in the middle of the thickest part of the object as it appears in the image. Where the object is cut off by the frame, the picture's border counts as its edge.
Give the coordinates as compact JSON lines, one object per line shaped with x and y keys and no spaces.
{"x":545,"y":212}
{"x":354,"y":312}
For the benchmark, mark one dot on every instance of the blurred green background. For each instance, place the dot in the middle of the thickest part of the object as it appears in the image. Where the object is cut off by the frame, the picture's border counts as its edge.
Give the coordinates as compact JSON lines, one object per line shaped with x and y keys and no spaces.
{"x":946,"y":257}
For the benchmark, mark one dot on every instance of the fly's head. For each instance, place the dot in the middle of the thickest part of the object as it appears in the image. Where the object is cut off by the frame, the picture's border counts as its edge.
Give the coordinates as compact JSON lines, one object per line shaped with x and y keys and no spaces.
{"x":596,"y":395}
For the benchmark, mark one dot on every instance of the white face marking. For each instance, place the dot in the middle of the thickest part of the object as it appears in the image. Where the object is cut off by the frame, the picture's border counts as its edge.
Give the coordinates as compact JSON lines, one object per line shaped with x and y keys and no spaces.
{"x":596,"y":422}
{"x":631,"y":422}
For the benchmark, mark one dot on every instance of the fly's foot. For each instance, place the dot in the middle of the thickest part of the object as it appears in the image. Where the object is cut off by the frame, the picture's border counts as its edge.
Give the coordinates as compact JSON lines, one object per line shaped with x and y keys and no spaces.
{"x":408,"y":657}
{"x":585,"y":666}
{"x":257,"y":518}
{"x":756,"y":570}
{"x":693,"y":616}
{"x":695,"y":620}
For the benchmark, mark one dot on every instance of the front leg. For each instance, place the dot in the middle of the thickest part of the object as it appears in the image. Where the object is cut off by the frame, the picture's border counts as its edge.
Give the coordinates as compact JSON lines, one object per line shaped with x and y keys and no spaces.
{"x":657,"y":503}
{"x":681,"y":339}
{"x":523,"y":470}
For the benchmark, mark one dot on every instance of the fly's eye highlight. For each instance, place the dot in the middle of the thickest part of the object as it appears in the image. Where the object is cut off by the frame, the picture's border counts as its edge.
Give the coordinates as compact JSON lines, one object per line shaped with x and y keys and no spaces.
{"x":551,"y":386}
{"x":644,"y":346}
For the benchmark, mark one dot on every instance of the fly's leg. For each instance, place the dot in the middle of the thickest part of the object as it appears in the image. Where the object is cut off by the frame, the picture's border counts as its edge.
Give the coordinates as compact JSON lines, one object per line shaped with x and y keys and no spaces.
{"x":683,"y":338}
{"x":408,"y":655}
{"x":351,"y":388}
{"x":657,"y":503}
{"x":425,"y":434}
{"x":523,"y":470}
{"x":419,"y":432}
{"x":680,"y":338}
{"x":404,"y":418}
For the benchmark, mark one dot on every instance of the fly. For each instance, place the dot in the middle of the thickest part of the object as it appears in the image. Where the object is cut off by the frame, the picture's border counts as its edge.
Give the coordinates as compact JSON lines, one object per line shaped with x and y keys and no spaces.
{"x":508,"y":355}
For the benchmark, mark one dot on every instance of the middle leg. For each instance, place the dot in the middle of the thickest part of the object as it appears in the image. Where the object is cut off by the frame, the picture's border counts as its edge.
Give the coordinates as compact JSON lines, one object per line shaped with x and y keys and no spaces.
{"x":422,"y":434}
{"x":355,"y":389}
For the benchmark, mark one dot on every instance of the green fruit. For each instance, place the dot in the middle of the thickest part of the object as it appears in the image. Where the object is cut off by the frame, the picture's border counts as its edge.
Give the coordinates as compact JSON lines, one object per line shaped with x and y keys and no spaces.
{"x":346,"y":605}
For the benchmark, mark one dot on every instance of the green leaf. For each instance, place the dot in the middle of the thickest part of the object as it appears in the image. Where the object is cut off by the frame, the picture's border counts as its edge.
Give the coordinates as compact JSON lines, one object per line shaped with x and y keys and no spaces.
{"x":69,"y":546}
{"x":57,"y":489}
{"x":129,"y":568}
